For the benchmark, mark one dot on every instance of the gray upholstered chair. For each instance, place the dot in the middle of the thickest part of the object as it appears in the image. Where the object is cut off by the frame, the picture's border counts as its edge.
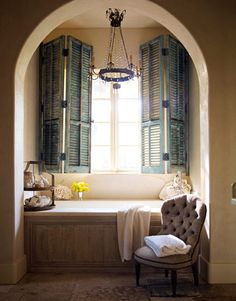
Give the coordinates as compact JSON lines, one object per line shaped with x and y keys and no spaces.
{"x":183,"y":217}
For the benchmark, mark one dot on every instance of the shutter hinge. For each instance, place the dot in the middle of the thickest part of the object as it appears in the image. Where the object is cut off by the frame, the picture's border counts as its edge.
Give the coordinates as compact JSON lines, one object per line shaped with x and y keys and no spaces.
{"x":65,"y":51}
{"x":165,"y":51}
{"x":186,"y":59}
{"x":42,"y":60}
{"x":64,"y":104}
{"x":165,"y":157}
{"x":42,"y":108}
{"x":165,"y":103}
{"x":186,"y":108}
{"x":62,"y":156}
{"x":41,"y":156}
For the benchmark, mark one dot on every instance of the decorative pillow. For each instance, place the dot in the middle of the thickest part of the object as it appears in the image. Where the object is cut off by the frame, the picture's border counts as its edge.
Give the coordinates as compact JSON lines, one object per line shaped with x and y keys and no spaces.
{"x":62,"y":192}
{"x":175,"y":187}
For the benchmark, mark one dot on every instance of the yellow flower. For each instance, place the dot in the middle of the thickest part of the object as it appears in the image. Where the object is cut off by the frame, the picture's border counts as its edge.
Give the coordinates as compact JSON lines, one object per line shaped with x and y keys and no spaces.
{"x":80,"y":186}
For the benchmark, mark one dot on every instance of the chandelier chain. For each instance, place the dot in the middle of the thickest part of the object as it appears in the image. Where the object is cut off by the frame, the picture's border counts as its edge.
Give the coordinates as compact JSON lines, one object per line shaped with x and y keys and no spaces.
{"x":118,"y":67}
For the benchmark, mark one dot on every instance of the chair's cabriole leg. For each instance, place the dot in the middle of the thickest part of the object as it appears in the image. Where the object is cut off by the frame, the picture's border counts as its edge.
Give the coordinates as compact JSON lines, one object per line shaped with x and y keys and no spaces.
{"x":137,"y":272}
{"x":173,"y":282}
{"x":195,"y":273}
{"x":166,"y":273}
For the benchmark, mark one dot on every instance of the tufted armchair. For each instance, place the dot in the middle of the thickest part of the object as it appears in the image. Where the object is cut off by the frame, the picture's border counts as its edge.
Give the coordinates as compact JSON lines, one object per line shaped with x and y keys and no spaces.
{"x":183,"y":217}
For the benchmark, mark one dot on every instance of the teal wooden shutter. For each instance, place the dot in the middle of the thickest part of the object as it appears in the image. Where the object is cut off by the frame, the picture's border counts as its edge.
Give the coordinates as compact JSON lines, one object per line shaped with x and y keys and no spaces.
{"x":151,"y":94}
{"x":78,"y":117}
{"x":51,"y":94}
{"x":177,"y":93}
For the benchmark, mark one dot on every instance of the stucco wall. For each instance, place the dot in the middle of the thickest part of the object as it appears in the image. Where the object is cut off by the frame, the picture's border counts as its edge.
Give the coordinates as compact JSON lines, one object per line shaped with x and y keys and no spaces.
{"x":194,"y":129}
{"x":134,"y":37}
{"x":31,"y":110}
{"x":218,"y":47}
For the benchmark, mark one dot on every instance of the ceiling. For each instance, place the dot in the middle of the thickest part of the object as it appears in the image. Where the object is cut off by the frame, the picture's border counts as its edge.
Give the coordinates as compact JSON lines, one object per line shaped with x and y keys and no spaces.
{"x":97,"y":19}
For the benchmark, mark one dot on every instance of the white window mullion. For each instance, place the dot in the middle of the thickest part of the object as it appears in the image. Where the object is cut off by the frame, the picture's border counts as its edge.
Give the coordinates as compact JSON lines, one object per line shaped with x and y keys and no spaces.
{"x":116,"y":138}
{"x":113,"y":129}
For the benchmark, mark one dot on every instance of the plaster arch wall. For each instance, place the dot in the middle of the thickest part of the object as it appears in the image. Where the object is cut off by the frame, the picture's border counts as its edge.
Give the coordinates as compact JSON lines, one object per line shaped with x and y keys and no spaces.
{"x":56,"y":15}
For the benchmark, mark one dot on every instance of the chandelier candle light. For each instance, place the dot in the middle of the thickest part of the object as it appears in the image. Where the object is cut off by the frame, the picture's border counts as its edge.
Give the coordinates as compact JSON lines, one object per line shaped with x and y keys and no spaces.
{"x":119,"y":67}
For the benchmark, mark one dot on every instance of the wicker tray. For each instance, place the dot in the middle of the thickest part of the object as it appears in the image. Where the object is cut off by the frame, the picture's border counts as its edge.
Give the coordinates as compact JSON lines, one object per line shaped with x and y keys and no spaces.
{"x":29,"y":208}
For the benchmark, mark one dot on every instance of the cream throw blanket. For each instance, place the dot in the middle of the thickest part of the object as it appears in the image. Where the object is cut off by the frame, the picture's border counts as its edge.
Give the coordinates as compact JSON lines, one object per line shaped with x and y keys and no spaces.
{"x":132,"y":226}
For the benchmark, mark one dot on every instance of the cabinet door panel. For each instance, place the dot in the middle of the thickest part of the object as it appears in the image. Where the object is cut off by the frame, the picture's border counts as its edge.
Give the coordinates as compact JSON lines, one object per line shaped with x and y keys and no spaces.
{"x":110,"y":246}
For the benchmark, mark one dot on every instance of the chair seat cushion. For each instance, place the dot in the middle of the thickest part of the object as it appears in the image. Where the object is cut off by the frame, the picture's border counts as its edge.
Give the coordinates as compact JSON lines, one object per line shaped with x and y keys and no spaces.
{"x":145,"y":255}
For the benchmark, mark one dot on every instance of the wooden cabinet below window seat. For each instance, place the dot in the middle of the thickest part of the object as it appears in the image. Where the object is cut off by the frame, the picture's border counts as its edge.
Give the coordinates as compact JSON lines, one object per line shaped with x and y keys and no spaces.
{"x":85,"y":242}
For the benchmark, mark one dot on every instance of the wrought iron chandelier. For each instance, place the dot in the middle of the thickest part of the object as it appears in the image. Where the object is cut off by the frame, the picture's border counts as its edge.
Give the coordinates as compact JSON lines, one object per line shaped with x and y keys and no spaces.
{"x":119,"y":68}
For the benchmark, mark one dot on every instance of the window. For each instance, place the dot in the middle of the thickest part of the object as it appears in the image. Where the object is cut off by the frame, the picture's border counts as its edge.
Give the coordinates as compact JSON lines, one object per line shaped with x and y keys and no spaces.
{"x":126,"y":133}
{"x":116,"y":137}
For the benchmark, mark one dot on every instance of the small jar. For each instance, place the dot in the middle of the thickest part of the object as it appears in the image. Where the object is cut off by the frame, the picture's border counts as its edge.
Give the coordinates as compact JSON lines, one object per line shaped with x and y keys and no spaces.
{"x":28,"y":179}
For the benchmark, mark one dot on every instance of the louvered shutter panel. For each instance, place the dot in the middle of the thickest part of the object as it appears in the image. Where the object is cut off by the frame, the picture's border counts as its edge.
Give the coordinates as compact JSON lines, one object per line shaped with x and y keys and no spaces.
{"x":177,"y":93}
{"x":78,"y":118}
{"x":151,"y":94}
{"x":51,"y":94}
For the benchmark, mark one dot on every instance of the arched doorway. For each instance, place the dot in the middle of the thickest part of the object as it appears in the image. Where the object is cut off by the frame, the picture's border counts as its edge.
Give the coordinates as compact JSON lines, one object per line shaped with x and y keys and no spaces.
{"x":150,"y":9}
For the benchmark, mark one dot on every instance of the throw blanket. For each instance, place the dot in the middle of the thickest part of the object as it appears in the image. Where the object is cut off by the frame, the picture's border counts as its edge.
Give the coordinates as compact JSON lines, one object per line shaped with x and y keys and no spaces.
{"x":132,"y":226}
{"x":166,"y":245}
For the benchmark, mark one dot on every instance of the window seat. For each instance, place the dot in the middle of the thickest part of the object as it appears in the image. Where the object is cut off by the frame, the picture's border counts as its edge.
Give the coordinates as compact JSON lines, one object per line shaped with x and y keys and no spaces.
{"x":95,"y":207}
{"x":82,"y":235}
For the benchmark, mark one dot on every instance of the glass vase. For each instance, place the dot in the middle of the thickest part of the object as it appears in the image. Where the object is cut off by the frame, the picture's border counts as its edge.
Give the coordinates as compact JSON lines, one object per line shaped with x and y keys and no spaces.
{"x":80,"y":195}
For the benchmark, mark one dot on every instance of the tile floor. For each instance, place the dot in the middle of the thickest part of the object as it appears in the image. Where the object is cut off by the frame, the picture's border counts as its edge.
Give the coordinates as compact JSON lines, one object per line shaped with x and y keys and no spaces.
{"x":104,"y":287}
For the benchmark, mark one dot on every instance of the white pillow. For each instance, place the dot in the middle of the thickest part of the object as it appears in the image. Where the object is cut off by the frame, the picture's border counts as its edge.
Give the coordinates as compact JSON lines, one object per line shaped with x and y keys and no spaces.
{"x":172,"y":189}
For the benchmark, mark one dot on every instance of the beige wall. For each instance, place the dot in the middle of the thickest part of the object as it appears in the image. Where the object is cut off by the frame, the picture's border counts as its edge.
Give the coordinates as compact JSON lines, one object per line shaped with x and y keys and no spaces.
{"x":194,"y":129}
{"x":92,"y":36}
{"x":31,"y":110}
{"x":195,"y":25}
